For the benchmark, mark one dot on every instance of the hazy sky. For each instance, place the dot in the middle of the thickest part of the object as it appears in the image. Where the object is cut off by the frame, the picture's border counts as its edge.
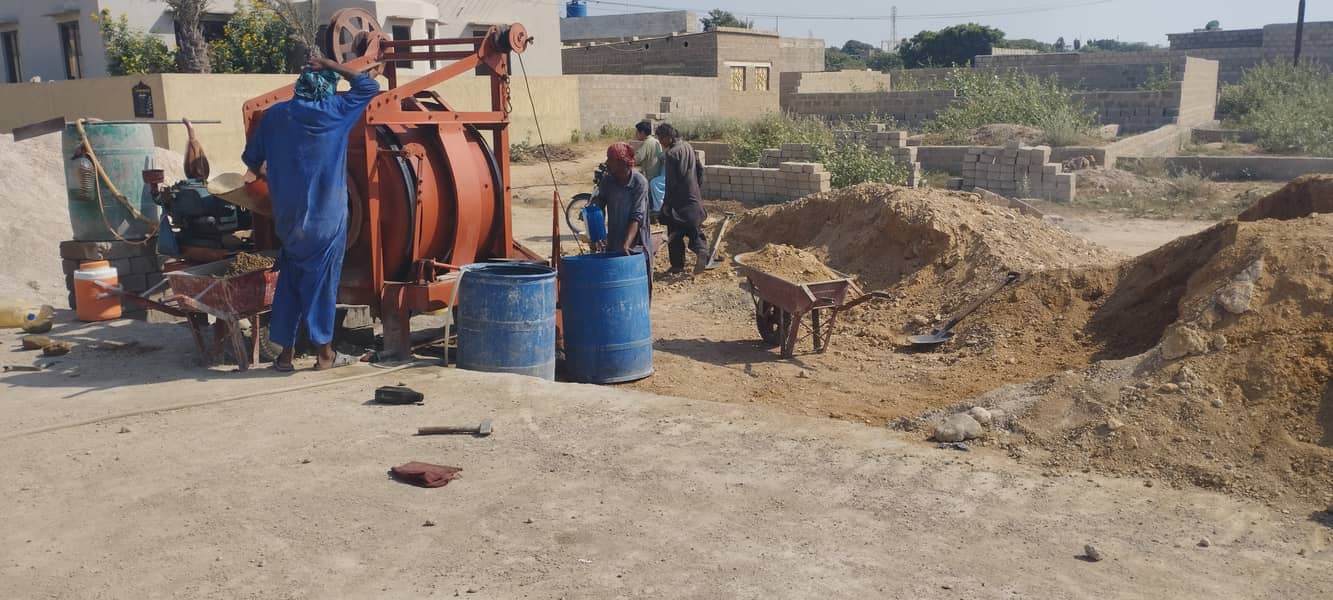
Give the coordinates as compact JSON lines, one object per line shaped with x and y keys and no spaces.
{"x":1128,"y":20}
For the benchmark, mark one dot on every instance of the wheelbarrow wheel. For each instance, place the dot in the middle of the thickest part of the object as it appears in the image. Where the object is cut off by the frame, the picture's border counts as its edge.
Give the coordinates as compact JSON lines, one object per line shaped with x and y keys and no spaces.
{"x":772,"y":323}
{"x":268,"y":351}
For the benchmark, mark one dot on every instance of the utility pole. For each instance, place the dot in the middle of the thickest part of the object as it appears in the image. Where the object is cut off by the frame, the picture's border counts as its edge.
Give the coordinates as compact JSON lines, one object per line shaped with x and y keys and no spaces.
{"x":1300,"y":30}
{"x":893,"y":26}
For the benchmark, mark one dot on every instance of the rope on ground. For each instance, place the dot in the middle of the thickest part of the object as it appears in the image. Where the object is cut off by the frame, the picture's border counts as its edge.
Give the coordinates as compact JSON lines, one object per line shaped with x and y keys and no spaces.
{"x":187,"y":405}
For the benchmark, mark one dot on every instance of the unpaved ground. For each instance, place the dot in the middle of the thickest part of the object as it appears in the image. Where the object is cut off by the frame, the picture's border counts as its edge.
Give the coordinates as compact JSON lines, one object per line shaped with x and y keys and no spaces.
{"x":583,"y":491}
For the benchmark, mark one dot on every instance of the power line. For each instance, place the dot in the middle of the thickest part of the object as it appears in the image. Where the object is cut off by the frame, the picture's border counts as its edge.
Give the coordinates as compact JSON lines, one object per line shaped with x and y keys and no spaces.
{"x":995,"y":12}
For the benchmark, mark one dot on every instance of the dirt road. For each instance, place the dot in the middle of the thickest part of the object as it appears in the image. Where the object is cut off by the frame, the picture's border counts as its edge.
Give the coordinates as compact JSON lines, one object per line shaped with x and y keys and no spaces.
{"x":583,"y":491}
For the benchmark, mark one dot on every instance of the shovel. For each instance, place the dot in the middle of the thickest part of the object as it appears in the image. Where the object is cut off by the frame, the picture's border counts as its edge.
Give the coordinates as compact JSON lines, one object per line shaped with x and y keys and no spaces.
{"x":945,"y":333}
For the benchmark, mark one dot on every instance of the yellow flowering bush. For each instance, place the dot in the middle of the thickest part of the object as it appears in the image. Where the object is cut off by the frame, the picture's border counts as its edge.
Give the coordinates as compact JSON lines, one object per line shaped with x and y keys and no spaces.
{"x":257,"y":40}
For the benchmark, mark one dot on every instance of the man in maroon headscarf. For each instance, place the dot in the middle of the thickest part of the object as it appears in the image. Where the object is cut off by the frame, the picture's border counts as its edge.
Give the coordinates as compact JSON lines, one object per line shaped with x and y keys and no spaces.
{"x":623,"y":195}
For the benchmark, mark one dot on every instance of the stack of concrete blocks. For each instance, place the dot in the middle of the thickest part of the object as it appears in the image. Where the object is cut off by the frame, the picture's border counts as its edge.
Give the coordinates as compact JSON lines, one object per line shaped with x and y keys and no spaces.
{"x":136,"y":265}
{"x":773,"y":157}
{"x":789,"y":181}
{"x":1017,"y":171}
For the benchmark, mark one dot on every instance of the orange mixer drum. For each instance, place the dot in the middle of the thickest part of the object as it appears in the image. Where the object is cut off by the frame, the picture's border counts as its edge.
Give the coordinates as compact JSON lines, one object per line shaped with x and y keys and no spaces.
{"x":439,"y":198}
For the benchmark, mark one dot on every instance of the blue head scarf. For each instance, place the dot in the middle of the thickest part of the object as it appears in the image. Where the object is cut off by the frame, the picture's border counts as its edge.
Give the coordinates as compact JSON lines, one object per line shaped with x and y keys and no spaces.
{"x":316,"y":85}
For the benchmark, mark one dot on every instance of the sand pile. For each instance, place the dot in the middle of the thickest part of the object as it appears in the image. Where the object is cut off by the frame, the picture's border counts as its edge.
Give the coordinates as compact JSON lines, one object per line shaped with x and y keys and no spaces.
{"x":934,"y":250}
{"x":1300,"y":197}
{"x":792,"y":264}
{"x":36,"y":217}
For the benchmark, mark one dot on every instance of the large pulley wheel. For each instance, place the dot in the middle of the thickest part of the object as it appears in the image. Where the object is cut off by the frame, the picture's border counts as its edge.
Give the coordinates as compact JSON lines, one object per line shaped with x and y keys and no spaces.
{"x":348,"y":36}
{"x":772,"y":322}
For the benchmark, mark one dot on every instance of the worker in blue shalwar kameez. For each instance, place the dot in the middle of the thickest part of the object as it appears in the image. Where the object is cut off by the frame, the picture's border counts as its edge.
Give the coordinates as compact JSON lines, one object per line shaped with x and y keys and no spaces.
{"x":300,"y":146}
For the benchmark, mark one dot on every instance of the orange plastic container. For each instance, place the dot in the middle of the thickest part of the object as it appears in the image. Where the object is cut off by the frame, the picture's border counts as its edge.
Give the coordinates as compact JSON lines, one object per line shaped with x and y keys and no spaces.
{"x":87,"y":305}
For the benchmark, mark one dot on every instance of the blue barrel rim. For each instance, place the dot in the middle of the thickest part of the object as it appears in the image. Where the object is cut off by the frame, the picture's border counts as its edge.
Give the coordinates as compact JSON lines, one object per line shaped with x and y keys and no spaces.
{"x":509,"y":270}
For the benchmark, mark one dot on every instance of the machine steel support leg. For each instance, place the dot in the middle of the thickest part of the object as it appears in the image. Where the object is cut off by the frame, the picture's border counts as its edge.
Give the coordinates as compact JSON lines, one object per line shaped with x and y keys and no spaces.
{"x":397,"y":321}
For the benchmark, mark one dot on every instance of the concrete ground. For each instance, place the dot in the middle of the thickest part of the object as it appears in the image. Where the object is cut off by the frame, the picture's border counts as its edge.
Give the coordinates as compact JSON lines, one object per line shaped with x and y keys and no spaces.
{"x":583,"y":491}
{"x":275,"y":486}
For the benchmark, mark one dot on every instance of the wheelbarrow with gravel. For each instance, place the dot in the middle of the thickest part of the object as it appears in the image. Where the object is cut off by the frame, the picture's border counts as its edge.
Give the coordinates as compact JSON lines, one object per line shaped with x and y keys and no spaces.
{"x":228,"y":295}
{"x":780,"y":306}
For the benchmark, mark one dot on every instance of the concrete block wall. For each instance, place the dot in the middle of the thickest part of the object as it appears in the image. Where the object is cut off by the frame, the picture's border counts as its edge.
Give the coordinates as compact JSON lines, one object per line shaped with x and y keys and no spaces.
{"x":834,"y":81}
{"x":876,"y":136}
{"x":649,"y":24}
{"x":1069,"y":72}
{"x":1133,"y":111}
{"x":1244,"y":168}
{"x":691,"y":54}
{"x":137,"y":266}
{"x":718,"y":153}
{"x":1198,"y":92}
{"x":623,"y":100}
{"x":772,"y":157}
{"x":1163,"y":141}
{"x":1233,"y":38}
{"x":904,"y":107}
{"x":1017,"y":171}
{"x":789,"y":181}
{"x":801,"y":55}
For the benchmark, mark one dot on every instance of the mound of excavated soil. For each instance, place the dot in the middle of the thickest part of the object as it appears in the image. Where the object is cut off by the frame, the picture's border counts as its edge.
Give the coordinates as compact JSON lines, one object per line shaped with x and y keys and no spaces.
{"x":792,"y":264}
{"x":1301,"y":197}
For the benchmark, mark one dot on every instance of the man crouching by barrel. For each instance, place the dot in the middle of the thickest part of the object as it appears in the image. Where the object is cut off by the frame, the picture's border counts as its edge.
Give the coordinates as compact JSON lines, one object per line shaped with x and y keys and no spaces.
{"x":624,"y":198}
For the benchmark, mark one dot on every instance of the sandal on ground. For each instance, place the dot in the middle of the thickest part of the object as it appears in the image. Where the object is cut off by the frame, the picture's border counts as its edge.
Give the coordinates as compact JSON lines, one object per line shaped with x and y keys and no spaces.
{"x":339,"y":360}
{"x":281,"y":368}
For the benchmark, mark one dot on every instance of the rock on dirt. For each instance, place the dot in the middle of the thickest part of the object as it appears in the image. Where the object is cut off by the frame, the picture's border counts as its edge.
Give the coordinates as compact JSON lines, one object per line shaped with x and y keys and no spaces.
{"x":1092,"y":553}
{"x":1181,"y":341}
{"x":982,"y":415}
{"x":957,"y":428}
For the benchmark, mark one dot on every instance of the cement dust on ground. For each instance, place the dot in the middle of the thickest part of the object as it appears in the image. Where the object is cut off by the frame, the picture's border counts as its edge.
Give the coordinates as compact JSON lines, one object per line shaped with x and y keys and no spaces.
{"x":582,"y":491}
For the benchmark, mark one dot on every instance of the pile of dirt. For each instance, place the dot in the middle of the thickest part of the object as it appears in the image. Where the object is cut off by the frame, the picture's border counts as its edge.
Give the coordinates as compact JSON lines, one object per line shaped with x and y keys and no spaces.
{"x":1302,"y":196}
{"x":792,"y":264}
{"x":540,"y":153}
{"x":246,"y":263}
{"x":33,"y":200}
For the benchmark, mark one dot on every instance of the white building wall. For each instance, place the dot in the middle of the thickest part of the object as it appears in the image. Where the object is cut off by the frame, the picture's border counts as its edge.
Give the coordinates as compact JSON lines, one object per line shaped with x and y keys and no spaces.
{"x":41,"y":54}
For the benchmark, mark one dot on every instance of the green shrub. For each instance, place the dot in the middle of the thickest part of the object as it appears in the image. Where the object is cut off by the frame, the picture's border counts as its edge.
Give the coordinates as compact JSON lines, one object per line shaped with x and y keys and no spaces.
{"x":986,"y":98}
{"x":132,"y":51}
{"x":257,"y":40}
{"x":1290,"y":106}
{"x":772,"y":131}
{"x":850,"y":164}
{"x":706,"y":127}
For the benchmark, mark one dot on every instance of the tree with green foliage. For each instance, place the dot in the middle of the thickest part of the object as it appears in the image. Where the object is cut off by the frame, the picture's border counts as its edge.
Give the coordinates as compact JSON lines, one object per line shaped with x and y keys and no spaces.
{"x":721,"y":18}
{"x":1031,"y":44}
{"x":837,"y":60}
{"x":1077,"y":44}
{"x":884,"y":61}
{"x":257,"y":40}
{"x":949,"y":47}
{"x":1213,"y":25}
{"x":192,"y":54}
{"x":1289,"y":106}
{"x":1117,"y":46}
{"x":1059,"y":45}
{"x":132,"y":51}
{"x":859,"y":48}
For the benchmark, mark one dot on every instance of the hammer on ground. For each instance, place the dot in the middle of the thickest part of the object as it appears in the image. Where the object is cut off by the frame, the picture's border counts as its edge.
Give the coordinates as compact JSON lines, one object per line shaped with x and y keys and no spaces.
{"x":481,"y":430}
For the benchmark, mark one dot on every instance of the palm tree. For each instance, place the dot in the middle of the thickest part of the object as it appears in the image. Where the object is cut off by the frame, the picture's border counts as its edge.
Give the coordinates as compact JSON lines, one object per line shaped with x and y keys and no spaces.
{"x":192,"y":54}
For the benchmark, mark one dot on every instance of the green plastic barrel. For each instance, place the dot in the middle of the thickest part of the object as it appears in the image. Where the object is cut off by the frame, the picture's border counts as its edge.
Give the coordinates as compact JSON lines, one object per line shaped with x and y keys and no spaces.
{"x":124,"y":151}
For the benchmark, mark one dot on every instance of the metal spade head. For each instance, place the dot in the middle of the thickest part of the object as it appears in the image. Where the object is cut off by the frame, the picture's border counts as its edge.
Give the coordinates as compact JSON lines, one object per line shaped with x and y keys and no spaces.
{"x":931,"y":339}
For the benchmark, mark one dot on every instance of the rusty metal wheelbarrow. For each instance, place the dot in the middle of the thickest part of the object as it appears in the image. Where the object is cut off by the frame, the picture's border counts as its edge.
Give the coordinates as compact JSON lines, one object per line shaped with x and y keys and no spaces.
{"x":780,"y":306}
{"x":205,"y":290}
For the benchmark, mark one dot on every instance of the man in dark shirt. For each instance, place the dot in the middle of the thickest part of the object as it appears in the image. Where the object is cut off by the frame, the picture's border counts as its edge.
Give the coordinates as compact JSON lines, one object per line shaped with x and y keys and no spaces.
{"x":623,"y":194}
{"x":682,"y":208}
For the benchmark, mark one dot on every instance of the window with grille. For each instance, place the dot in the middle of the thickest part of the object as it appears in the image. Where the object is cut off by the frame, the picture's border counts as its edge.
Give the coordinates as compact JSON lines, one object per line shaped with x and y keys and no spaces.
{"x":9,"y":47}
{"x":761,"y":79}
{"x":69,"y":44}
{"x":738,"y":79}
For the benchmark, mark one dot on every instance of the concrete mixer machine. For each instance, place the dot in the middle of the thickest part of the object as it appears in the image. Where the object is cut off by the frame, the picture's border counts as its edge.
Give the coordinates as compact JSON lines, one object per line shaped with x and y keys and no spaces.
{"x":428,"y":184}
